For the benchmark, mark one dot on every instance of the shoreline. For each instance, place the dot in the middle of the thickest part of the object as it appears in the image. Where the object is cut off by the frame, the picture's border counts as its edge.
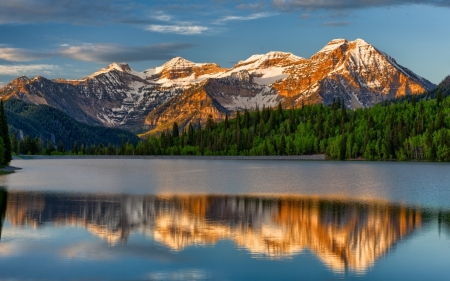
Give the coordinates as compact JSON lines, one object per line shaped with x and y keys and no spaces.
{"x":8,"y":170}
{"x":315,"y":157}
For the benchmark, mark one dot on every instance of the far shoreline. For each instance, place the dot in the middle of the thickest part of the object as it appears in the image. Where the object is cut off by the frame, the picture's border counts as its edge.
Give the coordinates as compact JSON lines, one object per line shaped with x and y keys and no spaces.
{"x":315,"y":157}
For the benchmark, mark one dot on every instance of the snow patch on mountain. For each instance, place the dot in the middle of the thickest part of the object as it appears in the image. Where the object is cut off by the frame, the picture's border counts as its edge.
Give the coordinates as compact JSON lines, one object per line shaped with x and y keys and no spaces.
{"x":265,"y":97}
{"x":269,"y":75}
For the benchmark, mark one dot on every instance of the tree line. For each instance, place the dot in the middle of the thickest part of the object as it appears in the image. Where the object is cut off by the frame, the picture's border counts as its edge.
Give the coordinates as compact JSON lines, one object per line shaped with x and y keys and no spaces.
{"x":5,"y":142}
{"x":47,"y":127}
{"x":409,"y":128}
{"x":389,"y":131}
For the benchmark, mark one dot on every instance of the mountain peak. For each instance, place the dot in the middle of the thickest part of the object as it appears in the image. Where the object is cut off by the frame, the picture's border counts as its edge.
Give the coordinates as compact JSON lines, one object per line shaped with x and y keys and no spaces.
{"x":258,"y":60}
{"x":178,"y":62}
{"x":361,"y":41}
{"x":21,"y":79}
{"x":121,"y":67}
{"x":333,"y":44}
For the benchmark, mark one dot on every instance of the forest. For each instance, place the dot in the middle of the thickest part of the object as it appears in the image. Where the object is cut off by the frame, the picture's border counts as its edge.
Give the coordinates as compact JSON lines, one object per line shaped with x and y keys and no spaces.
{"x":413,"y":128}
{"x":41,"y":129}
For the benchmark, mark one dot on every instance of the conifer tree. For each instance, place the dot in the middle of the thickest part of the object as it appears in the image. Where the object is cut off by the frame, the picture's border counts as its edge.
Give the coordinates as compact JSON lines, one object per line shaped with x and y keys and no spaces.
{"x":4,"y":134}
{"x":226,"y":125}
{"x":75,"y":147}
{"x":60,"y":146}
{"x":343,"y":150}
{"x":175,"y":130}
{"x":280,"y":109}
{"x":191,"y":135}
{"x":283,"y":145}
{"x":257,"y":117}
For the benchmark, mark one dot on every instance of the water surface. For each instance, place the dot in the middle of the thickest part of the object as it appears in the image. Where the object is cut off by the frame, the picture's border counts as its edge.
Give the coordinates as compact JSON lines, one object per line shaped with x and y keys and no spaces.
{"x":130,"y":219}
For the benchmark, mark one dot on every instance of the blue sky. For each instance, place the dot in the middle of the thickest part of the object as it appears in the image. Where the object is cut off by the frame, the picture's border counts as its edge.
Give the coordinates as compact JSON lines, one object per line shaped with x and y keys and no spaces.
{"x":72,"y":39}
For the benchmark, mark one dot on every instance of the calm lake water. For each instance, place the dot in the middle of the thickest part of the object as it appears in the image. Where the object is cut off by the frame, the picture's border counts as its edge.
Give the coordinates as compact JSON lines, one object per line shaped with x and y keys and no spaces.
{"x":138,"y":219}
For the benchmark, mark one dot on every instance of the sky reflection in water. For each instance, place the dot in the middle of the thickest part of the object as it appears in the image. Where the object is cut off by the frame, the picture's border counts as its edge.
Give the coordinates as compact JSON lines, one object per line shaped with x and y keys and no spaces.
{"x":198,"y":237}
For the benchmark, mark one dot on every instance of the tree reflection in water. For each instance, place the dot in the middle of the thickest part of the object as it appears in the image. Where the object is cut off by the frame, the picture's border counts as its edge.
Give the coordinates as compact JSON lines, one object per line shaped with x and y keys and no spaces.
{"x":3,"y":201}
{"x":343,"y":234}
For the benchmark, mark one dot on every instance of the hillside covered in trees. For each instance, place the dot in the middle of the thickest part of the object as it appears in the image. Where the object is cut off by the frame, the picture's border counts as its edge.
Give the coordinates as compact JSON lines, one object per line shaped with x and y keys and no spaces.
{"x":405,"y":129}
{"x":400,"y":130}
{"x":43,"y":126}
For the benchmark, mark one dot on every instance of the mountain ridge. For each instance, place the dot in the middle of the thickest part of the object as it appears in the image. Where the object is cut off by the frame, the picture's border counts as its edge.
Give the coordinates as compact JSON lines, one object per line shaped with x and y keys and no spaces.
{"x":118,"y":96}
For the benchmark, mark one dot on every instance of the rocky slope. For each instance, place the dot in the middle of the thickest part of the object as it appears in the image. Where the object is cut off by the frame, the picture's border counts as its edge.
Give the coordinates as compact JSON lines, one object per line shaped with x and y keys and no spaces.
{"x":183,"y":91}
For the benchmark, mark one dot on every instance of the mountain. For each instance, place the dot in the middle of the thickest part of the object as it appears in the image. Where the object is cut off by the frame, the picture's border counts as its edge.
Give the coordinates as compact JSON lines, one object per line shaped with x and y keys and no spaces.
{"x":184,"y":91}
{"x":48,"y":123}
{"x":442,"y":88}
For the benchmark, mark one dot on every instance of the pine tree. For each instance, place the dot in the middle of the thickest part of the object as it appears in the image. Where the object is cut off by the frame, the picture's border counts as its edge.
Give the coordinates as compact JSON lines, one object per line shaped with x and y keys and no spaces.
{"x":283,"y":145}
{"x":226,"y":125}
{"x":439,"y":98}
{"x":343,"y":150}
{"x":14,"y":144}
{"x":175,"y":130}
{"x":280,"y":109}
{"x":257,"y":116}
{"x":4,"y":133}
{"x":60,"y":146}
{"x":191,"y":135}
{"x":75,"y":147}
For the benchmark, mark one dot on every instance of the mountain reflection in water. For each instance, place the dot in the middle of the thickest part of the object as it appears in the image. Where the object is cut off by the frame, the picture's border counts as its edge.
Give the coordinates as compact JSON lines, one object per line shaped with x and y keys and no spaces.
{"x":343,"y":234}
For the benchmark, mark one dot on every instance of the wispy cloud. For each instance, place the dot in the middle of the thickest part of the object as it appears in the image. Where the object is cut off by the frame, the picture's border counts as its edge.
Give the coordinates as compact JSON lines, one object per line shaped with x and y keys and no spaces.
{"x":178,"y":29}
{"x":288,"y":5}
{"x":82,"y":12}
{"x":244,"y":18}
{"x":305,"y":16}
{"x":161,"y":16}
{"x":16,"y":54}
{"x":101,"y":53}
{"x":251,"y":6}
{"x":30,"y":69}
{"x":106,"y":53}
{"x":336,"y":23}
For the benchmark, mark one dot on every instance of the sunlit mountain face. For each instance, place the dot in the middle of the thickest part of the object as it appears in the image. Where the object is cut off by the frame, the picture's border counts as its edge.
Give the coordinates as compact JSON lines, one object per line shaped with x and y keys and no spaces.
{"x":344,"y":235}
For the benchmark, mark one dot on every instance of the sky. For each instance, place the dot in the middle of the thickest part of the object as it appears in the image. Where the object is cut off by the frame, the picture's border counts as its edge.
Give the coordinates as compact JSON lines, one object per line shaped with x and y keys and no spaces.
{"x":72,"y":39}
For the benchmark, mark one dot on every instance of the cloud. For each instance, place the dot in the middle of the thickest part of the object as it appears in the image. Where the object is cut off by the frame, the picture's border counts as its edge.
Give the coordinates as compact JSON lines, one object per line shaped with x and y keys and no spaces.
{"x":83,"y":12}
{"x":100,"y":53}
{"x":106,"y":53}
{"x":182,"y":274}
{"x":288,"y":5}
{"x":29,"y":69}
{"x":244,"y":18}
{"x":100,"y":251}
{"x":162,"y":16}
{"x":178,"y":29}
{"x":251,"y":6}
{"x":16,"y":54}
{"x":336,"y":23}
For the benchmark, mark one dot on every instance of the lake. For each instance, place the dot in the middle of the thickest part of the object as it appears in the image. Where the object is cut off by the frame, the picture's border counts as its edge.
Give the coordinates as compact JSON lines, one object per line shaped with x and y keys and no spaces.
{"x":187,"y":219}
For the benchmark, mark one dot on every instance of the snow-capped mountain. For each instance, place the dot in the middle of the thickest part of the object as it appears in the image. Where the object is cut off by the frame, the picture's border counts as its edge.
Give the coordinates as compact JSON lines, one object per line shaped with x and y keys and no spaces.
{"x":184,"y":91}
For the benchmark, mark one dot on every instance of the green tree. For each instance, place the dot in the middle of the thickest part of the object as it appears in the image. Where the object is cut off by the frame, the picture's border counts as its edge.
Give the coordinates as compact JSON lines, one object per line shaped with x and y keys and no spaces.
{"x":60,"y":146}
{"x":4,"y":134}
{"x":175,"y":130}
{"x":283,"y":145}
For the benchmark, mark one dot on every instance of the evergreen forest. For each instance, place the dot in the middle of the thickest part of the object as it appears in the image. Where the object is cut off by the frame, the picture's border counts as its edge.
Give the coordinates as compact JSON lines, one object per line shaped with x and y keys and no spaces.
{"x":41,"y":129}
{"x":412,"y":128}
